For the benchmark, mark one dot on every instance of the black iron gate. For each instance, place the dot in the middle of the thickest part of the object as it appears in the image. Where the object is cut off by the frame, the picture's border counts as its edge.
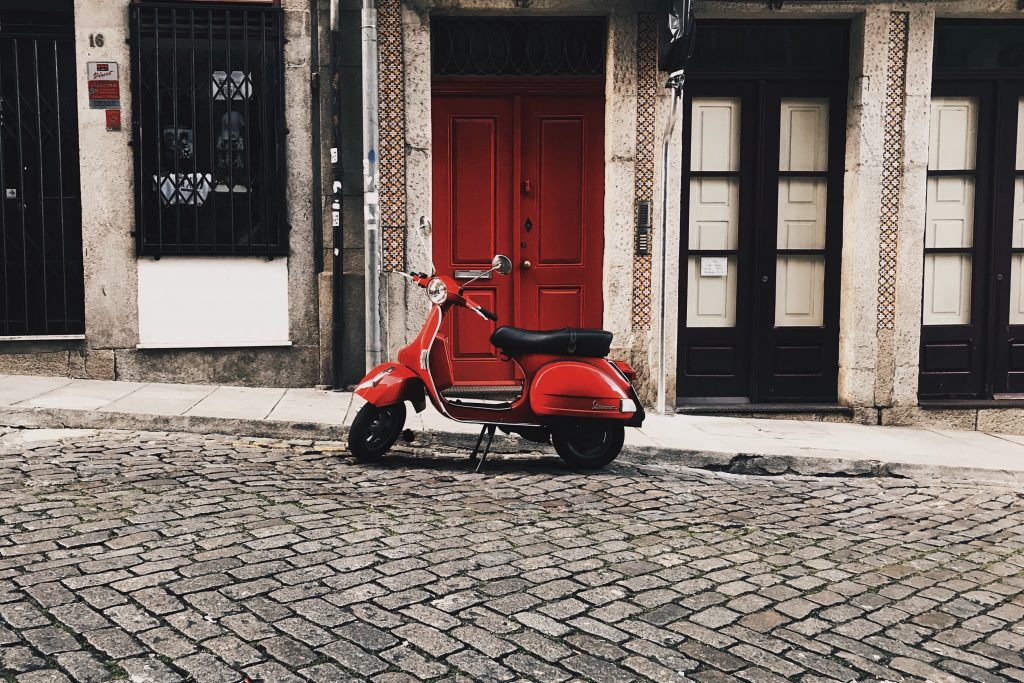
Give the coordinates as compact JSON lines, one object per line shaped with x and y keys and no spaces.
{"x":41,"y":289}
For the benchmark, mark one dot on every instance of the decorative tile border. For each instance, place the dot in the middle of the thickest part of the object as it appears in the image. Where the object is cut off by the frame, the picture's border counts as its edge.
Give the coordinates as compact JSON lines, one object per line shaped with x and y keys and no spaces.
{"x":646,"y":101}
{"x":391,"y":100}
{"x":892,"y":167}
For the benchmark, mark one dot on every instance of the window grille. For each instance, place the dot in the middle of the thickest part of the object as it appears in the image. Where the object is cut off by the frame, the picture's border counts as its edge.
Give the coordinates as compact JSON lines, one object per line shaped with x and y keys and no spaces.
{"x":208,"y":129}
{"x":474,"y":46}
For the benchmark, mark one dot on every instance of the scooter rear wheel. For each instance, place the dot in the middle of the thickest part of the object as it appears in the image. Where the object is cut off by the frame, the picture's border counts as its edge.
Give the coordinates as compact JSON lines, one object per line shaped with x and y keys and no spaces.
{"x":589,"y":447}
{"x":375,"y":430}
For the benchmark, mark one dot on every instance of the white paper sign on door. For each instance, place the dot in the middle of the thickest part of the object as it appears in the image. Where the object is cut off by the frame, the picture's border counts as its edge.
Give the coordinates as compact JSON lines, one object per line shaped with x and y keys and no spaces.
{"x":714,"y":266}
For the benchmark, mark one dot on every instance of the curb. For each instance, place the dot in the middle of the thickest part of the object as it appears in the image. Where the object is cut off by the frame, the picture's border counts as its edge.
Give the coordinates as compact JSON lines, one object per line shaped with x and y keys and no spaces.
{"x":753,"y":464}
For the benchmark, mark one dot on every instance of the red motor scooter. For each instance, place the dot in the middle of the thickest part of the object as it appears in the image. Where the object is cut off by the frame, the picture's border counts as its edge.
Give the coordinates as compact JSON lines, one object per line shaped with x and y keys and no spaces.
{"x":570,"y":394}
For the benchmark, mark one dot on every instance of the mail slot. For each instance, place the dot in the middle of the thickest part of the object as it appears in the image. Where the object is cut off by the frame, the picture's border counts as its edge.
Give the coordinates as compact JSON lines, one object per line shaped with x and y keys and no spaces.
{"x":472,"y":274}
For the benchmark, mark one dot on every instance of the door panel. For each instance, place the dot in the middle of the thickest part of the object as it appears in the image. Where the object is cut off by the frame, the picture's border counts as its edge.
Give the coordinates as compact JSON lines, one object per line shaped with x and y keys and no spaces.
{"x":41,"y":279}
{"x":954,"y":335}
{"x":802,"y":190}
{"x":561,"y":195}
{"x":562,"y":198}
{"x":714,"y":359}
{"x":473,"y":153}
{"x":550,"y":216}
{"x":559,"y":307}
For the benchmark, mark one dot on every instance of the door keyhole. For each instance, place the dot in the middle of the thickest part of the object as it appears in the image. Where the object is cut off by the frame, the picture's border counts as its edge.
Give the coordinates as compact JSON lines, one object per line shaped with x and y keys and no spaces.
{"x":529,"y":225}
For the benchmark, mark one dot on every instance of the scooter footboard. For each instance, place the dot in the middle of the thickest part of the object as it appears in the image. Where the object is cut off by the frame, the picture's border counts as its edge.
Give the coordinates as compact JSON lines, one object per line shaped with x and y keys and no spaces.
{"x":392,"y":383}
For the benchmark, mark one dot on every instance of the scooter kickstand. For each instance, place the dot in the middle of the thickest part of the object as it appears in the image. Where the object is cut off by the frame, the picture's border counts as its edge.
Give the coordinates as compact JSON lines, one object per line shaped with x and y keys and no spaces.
{"x":487,"y":448}
{"x":476,"y":448}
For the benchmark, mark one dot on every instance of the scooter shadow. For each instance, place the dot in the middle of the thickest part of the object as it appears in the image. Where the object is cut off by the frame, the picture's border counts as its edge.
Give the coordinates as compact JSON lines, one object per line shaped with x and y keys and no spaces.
{"x":461,"y":464}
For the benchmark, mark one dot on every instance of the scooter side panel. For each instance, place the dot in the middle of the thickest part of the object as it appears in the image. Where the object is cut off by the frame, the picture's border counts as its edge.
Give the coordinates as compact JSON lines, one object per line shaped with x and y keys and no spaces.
{"x":577,"y":389}
{"x":392,"y":383}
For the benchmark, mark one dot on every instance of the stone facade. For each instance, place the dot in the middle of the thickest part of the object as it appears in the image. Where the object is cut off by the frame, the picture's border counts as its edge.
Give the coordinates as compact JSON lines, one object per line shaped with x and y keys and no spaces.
{"x":884,"y":200}
{"x":884,"y":191}
{"x":109,"y":350}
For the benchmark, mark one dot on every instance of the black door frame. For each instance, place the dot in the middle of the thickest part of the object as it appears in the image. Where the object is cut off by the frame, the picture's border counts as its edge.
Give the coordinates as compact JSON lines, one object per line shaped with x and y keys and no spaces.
{"x":756,"y":257}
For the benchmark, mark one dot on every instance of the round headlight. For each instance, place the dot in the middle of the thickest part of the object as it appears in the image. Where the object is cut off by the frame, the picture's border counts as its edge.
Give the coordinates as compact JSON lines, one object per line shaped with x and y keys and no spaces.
{"x":437,"y":292}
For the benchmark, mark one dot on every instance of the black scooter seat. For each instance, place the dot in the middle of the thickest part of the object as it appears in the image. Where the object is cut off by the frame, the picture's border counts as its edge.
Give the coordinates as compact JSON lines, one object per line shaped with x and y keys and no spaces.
{"x":568,"y":341}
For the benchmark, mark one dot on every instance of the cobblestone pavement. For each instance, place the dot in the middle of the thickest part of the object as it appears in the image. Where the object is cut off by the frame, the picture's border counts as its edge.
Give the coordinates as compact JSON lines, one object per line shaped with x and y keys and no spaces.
{"x":170,"y":557}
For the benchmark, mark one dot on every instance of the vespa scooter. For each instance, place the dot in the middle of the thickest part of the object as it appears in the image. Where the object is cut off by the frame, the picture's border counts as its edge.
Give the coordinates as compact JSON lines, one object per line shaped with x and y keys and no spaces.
{"x":570,"y":394}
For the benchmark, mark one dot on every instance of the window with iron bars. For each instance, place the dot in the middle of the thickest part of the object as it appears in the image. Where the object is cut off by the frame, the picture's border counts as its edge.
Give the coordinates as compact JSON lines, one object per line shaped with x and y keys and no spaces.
{"x":518,"y":46}
{"x":208,"y":129}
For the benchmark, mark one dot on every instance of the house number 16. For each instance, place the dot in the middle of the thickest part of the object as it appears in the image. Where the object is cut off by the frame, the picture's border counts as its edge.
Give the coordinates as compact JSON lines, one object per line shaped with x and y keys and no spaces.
{"x":95,"y":40}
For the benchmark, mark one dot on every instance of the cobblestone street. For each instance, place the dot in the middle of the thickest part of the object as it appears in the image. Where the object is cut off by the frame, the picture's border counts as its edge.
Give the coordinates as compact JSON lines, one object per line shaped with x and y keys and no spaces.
{"x":175,"y":557}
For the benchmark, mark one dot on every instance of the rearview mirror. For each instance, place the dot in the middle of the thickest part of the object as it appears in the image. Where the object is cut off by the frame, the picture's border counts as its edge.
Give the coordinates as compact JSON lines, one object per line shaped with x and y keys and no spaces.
{"x":502,"y":264}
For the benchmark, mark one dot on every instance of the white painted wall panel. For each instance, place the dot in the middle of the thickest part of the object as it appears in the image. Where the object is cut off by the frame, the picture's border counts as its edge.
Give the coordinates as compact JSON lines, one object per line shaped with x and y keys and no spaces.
{"x":802,"y":207}
{"x":947,"y":289}
{"x":1017,"y":260}
{"x":803,"y":136}
{"x":1020,"y":135}
{"x":950,"y":221}
{"x":799,"y":291}
{"x":714,"y":213}
{"x":954,"y":134}
{"x":711,"y":301}
{"x":715,"y":134}
{"x":195,"y":302}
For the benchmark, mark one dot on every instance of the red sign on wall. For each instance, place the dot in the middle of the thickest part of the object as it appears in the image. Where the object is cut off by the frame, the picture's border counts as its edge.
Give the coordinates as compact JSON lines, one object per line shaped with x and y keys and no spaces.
{"x":104,"y":86}
{"x":113,"y":119}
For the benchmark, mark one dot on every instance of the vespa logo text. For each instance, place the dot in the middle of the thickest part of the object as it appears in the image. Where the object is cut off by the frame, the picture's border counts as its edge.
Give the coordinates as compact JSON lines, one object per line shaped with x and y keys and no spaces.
{"x":601,"y":406}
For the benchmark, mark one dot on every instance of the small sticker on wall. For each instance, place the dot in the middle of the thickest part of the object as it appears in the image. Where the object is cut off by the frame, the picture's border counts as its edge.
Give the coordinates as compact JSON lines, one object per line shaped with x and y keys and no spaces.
{"x":113,"y":119}
{"x":714,"y":266}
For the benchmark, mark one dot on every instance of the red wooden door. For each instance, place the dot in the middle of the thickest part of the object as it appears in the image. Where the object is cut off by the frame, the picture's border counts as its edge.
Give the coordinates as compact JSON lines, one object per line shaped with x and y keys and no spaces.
{"x":562,"y":198}
{"x":502,"y":163}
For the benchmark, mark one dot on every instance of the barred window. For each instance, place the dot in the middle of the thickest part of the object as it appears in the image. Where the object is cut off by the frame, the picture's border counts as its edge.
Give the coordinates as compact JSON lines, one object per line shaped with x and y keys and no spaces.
{"x":208,"y":129}
{"x":518,"y":46}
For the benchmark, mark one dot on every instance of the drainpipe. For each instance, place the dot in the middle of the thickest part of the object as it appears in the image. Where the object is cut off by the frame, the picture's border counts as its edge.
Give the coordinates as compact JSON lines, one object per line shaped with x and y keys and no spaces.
{"x":338,"y":300}
{"x":314,"y":116}
{"x":675,"y":82}
{"x":371,"y":197}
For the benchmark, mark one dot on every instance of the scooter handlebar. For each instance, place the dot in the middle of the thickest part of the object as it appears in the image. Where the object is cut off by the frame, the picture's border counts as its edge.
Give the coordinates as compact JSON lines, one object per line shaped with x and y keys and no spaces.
{"x":478,"y":309}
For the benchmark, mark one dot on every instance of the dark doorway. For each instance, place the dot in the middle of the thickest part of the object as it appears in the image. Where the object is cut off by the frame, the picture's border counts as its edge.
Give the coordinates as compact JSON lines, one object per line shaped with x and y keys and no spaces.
{"x":764,"y":146}
{"x":41,"y":290}
{"x":972,"y":326}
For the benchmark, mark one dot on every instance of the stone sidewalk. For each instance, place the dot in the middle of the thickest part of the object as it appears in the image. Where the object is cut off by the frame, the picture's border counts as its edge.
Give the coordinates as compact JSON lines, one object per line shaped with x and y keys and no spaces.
{"x":752,"y":446}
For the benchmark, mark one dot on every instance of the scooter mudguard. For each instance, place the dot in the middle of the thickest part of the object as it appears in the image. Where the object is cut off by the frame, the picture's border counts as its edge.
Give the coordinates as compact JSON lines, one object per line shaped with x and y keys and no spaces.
{"x":580,"y":390}
{"x":392,"y":383}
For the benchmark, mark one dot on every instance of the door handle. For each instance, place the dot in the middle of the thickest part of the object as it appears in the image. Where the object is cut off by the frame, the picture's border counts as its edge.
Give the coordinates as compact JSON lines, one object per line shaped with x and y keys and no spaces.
{"x":526,"y":265}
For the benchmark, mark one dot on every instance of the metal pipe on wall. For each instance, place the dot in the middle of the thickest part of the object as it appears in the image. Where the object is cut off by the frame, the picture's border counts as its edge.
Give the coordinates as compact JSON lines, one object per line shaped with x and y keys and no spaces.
{"x":338,"y":300}
{"x":316,"y":153}
{"x":675,"y":82}
{"x":371,"y":196}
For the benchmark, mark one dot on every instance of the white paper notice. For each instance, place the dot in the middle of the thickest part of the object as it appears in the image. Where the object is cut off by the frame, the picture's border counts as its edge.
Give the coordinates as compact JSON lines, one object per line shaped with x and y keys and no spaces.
{"x":714,"y":266}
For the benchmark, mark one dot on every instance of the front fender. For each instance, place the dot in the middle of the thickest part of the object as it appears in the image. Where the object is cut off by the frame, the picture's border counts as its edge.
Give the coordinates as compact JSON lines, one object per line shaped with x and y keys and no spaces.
{"x":392,"y":383}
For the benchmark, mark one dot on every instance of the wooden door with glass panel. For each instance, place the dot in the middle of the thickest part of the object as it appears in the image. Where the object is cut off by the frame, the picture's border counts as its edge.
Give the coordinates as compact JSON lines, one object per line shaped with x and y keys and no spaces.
{"x":763,"y":186}
{"x":955,"y":316}
{"x":799,"y":250}
{"x":1009,"y":247}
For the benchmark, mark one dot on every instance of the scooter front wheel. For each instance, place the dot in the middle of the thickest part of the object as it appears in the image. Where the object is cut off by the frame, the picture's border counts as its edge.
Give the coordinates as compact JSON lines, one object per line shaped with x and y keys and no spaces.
{"x":375,"y":430}
{"x":589,"y":447}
